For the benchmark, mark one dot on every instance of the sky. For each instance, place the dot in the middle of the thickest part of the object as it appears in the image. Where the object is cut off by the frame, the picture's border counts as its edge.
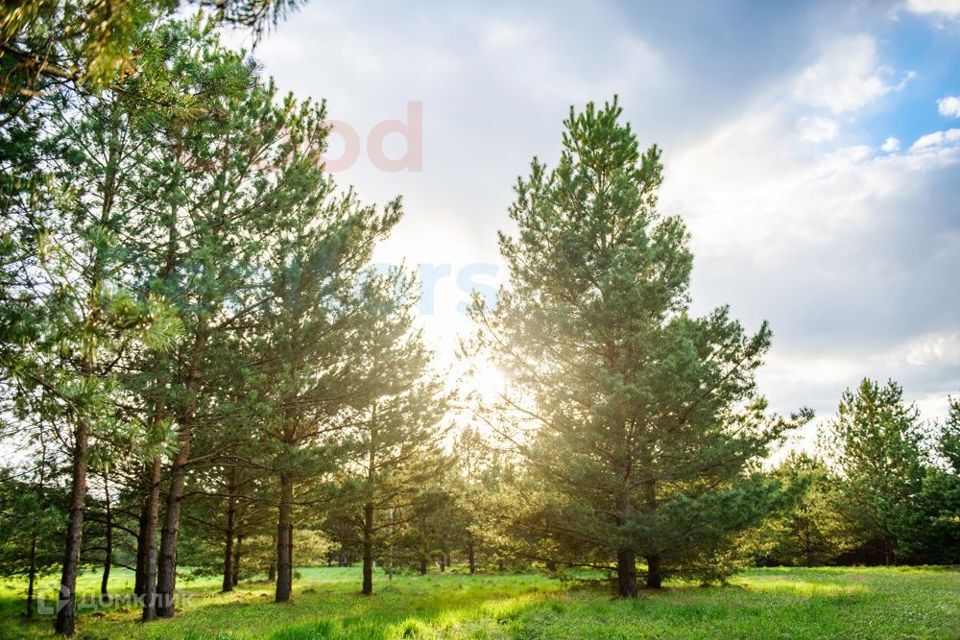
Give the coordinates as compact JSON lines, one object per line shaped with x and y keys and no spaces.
{"x":813,"y":149}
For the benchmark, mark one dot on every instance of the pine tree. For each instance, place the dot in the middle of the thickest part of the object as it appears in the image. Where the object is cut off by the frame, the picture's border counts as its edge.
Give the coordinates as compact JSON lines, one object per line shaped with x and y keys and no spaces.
{"x":808,"y":530}
{"x":85,"y":317}
{"x":949,"y":440}
{"x":395,"y":428}
{"x":92,"y":45}
{"x":477,"y":480}
{"x":875,"y":443}
{"x":31,"y":519}
{"x":639,"y":423}
{"x":228,"y":167}
{"x":428,"y":528}
{"x":313,"y":331}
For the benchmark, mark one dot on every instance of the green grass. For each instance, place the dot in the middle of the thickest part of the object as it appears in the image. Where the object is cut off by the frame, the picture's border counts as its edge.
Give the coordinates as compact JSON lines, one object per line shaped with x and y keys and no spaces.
{"x":763,"y":604}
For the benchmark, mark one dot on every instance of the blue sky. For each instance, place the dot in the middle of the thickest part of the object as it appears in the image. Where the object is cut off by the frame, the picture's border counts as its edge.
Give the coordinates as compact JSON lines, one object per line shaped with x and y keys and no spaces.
{"x":803,"y":143}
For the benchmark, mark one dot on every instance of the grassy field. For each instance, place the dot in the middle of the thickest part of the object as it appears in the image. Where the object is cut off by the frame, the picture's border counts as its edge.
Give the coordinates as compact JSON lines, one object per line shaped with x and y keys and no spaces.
{"x":762,"y":604}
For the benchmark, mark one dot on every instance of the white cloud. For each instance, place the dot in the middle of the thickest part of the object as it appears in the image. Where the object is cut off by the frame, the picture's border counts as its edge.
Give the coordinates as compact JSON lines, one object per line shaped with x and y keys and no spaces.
{"x":934,"y":349}
{"x":846,"y":77}
{"x":916,"y":361}
{"x":945,"y":8}
{"x":546,"y":68}
{"x":949,"y":106}
{"x":936,"y":140}
{"x":842,"y":251}
{"x":507,"y":35}
{"x":907,"y":77}
{"x":817,"y":129}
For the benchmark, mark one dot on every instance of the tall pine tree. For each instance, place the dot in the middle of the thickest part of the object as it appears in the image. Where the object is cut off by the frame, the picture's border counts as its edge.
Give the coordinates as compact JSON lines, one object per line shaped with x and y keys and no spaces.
{"x":875,"y":443}
{"x":639,"y":422}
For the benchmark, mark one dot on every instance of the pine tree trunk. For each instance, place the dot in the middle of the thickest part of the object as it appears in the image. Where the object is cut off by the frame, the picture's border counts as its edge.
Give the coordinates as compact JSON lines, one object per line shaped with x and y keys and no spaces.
{"x":156,"y":564}
{"x":471,"y":560}
{"x":654,"y":572}
{"x":368,"y":549}
{"x":236,"y":560}
{"x":67,"y":600}
{"x":284,"y":541}
{"x":167,"y":565}
{"x":290,"y":552}
{"x":228,"y":556}
{"x":105,"y":579}
{"x":139,"y":581}
{"x":149,"y":535}
{"x":228,"y":563}
{"x":34,"y":534}
{"x":108,"y":552}
{"x":368,"y":506}
{"x":423,"y":566}
{"x":32,"y":573}
{"x":626,"y":573}
{"x":626,"y":555}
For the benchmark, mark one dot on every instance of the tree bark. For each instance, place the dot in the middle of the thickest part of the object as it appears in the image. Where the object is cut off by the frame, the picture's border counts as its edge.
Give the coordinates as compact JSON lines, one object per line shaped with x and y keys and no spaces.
{"x":32,"y":574}
{"x":34,"y":533}
{"x":423,"y":566}
{"x":236,"y":559}
{"x":228,"y":557}
{"x":368,"y":505}
{"x":390,"y":550}
{"x":654,"y":572}
{"x":67,"y":600}
{"x":139,"y":581}
{"x":368,"y":549}
{"x":167,"y":565}
{"x":284,"y":541}
{"x":471,"y":559}
{"x":626,"y":573}
{"x":626,"y":555}
{"x":108,"y":552}
{"x":228,"y":562}
{"x":149,"y":535}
